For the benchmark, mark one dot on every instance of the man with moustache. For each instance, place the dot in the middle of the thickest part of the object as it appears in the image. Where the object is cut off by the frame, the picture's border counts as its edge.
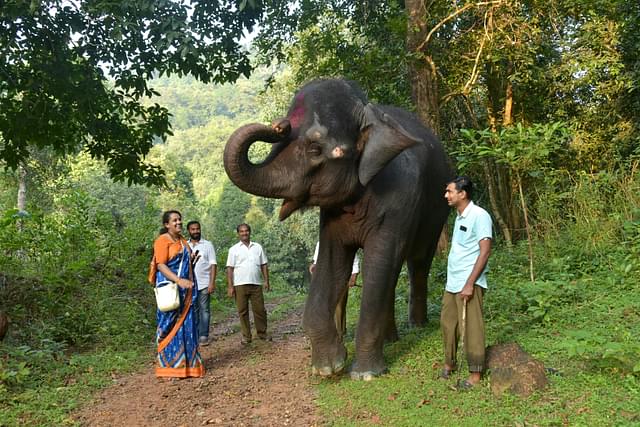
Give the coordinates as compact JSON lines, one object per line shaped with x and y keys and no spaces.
{"x":466,"y":281}
{"x":205,"y":270}
{"x":246,"y":269}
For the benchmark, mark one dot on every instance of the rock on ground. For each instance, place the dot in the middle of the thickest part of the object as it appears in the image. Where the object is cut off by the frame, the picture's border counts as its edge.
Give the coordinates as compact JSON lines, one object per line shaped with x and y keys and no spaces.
{"x":513,"y":370}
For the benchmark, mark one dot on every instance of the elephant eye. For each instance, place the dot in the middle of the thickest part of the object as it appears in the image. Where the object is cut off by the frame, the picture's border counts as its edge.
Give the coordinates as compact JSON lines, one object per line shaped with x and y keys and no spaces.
{"x":314,"y":149}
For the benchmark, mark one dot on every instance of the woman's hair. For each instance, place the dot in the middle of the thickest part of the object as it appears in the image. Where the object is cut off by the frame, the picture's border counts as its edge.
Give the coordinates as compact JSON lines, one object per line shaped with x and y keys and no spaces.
{"x":165,"y":219}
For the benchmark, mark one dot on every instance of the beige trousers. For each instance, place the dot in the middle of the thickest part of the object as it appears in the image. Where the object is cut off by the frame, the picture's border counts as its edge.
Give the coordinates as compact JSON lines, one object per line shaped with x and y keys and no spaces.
{"x":451,"y":322}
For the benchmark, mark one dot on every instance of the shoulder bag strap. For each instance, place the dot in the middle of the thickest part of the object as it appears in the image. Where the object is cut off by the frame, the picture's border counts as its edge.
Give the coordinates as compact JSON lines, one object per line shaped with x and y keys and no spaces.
{"x":181,"y":259}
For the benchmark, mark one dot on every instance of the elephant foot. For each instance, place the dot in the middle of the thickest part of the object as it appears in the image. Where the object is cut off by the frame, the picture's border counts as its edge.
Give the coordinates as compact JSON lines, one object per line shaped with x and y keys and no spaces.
{"x":366,"y":375}
{"x":418,"y":321}
{"x":331,"y":366}
{"x":327,"y":371}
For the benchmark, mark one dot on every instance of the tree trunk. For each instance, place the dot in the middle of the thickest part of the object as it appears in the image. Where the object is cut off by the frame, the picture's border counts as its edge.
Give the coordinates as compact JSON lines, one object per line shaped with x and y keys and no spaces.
{"x":424,"y":80}
{"x":502,"y":186}
{"x":422,"y":70}
{"x":527,"y":227}
{"x":495,"y":206}
{"x":507,"y":118}
{"x":22,"y":194}
{"x":22,"y":188}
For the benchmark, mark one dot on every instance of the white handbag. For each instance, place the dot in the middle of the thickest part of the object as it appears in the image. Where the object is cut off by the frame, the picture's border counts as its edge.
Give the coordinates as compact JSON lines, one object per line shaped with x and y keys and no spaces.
{"x":167,"y":296}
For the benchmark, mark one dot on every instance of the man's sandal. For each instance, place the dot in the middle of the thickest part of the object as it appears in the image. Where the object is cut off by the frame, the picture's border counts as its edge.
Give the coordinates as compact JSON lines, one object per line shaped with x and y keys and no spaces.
{"x":464,"y":385}
{"x":445,"y":374}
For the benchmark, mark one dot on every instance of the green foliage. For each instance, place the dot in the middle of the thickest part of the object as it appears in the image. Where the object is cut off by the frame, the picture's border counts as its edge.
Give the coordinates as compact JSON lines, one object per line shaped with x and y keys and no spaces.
{"x":631,"y":240}
{"x":528,"y":158}
{"x":329,"y":49}
{"x":596,"y":209}
{"x":361,"y":41}
{"x":540,"y":299}
{"x":290,"y":245}
{"x":74,"y":284}
{"x":13,"y":374}
{"x":194,"y":104}
{"x":594,"y":83}
{"x":529,"y":150}
{"x":80,"y":71}
{"x":619,"y":356}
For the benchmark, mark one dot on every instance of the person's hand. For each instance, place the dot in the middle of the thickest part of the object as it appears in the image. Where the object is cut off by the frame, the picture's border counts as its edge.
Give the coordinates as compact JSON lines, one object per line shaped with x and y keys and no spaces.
{"x":211,"y":288}
{"x":185,"y":283}
{"x":267,"y":287}
{"x":352,"y":281}
{"x":231,"y":291}
{"x":195,"y":257}
{"x":312,"y":268}
{"x":467,"y":292}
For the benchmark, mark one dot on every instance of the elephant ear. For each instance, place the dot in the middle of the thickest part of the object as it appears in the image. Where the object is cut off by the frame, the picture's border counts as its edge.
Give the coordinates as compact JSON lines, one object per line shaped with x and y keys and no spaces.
{"x":382,"y":138}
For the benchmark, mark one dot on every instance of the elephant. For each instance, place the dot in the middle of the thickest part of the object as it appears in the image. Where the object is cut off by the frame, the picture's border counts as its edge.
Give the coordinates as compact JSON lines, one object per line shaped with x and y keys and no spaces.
{"x":378,"y":176}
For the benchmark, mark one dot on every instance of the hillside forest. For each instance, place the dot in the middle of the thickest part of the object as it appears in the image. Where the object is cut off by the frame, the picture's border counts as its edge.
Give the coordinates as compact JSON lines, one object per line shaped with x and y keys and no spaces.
{"x":538,"y":103}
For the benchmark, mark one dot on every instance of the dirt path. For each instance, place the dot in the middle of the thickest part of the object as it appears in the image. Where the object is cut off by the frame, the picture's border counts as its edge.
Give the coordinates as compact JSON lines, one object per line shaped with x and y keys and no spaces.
{"x":264,"y":384}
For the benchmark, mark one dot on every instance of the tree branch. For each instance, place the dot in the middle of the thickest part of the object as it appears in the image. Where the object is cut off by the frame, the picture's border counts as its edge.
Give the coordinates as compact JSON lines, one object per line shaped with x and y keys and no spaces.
{"x":453,"y":15}
{"x":475,"y":72}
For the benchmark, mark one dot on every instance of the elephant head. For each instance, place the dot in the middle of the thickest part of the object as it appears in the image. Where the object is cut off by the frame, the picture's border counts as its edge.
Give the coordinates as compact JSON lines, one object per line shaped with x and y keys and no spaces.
{"x":325,"y":151}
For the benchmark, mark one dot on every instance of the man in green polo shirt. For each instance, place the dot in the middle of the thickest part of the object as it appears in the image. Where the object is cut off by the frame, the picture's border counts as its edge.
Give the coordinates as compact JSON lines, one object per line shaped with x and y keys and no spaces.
{"x":466,"y":281}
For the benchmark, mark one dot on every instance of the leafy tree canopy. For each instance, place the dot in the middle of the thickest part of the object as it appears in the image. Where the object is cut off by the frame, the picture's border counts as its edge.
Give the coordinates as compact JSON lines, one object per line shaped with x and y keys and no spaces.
{"x":74,"y":74}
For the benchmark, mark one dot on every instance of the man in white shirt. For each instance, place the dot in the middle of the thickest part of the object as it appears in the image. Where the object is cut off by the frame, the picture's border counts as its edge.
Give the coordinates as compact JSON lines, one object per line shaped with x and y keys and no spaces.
{"x":205,"y":270}
{"x":340,"y":316}
{"x":246,"y":269}
{"x":466,"y":281}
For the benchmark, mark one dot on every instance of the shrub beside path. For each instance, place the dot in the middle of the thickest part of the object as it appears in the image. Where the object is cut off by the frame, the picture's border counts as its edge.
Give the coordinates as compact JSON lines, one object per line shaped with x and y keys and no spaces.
{"x":263,"y":384}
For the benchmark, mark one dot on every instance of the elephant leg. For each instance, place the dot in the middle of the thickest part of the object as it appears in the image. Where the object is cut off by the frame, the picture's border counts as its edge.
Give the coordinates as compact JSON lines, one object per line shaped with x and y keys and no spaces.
{"x":417,"y":292}
{"x":329,"y":282}
{"x":391,"y":331}
{"x":381,"y":266}
{"x":418,"y":286}
{"x":341,"y":314}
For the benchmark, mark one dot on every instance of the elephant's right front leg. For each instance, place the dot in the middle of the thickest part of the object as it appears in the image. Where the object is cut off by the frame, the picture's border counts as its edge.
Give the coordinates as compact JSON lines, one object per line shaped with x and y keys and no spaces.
{"x":328,"y":353}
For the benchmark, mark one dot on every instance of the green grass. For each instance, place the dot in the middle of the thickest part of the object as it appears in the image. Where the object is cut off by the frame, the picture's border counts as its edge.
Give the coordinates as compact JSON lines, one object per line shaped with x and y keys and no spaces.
{"x":586,"y":326}
{"x":49,"y":397}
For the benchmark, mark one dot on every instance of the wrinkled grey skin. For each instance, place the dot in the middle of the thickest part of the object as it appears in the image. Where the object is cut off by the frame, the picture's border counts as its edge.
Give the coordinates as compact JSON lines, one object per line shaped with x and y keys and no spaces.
{"x":378,"y":176}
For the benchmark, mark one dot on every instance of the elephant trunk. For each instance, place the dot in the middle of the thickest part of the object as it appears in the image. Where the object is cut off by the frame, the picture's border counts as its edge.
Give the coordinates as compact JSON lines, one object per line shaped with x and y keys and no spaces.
{"x":260,"y":179}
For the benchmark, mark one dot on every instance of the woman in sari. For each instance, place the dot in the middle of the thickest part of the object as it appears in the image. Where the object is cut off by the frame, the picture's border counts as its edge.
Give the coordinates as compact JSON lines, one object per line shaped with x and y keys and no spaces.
{"x":177,"y":333}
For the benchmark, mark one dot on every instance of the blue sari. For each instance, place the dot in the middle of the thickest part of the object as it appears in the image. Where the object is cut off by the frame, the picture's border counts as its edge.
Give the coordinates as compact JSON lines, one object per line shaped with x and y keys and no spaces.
{"x":177,"y":332}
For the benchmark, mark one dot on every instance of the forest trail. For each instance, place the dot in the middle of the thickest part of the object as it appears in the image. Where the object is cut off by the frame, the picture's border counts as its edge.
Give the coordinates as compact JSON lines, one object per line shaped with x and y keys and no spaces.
{"x":263,"y":384}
